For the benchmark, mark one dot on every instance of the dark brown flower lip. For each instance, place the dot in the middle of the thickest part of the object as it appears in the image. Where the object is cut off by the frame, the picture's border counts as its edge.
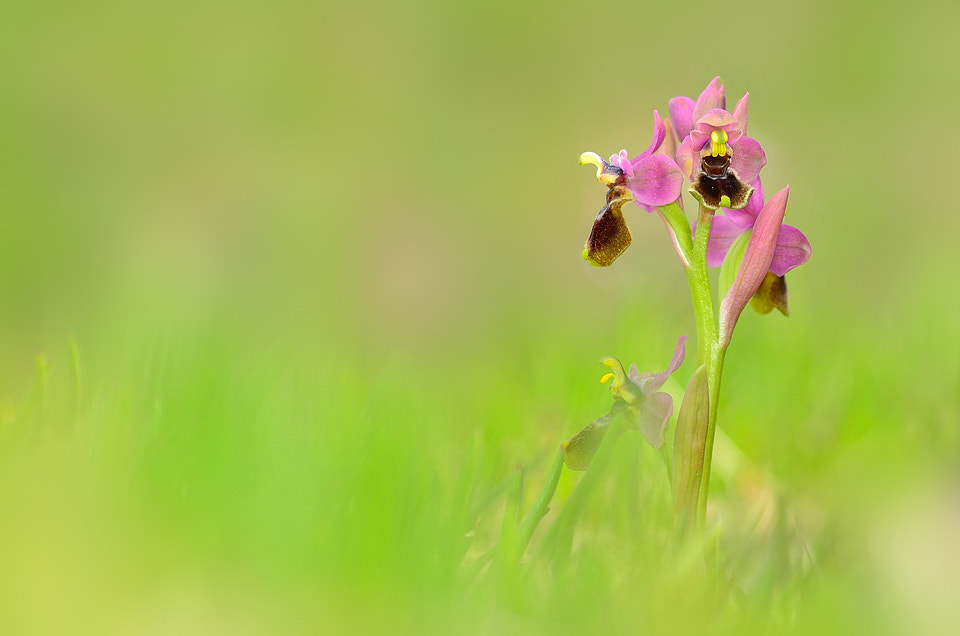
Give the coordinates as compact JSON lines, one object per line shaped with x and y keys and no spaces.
{"x":610,"y":236}
{"x":717,"y":180}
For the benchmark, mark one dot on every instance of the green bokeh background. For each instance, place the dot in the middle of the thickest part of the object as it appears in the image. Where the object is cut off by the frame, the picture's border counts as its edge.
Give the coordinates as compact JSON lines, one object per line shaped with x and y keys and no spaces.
{"x":287,"y":290}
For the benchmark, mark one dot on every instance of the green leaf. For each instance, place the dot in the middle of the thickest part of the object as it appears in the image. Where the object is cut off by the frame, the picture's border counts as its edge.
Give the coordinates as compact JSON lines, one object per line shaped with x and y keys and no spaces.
{"x":539,"y":509}
{"x":689,"y":446}
{"x":731,"y":264}
{"x":511,"y":515}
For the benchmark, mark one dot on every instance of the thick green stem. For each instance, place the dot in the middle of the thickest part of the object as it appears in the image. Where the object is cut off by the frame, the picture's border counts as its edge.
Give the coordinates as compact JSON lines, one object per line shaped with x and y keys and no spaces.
{"x":710,"y":354}
{"x":699,"y":282}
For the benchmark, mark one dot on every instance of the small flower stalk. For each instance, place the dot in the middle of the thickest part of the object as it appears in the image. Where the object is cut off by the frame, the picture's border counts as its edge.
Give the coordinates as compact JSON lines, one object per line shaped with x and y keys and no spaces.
{"x":702,"y":149}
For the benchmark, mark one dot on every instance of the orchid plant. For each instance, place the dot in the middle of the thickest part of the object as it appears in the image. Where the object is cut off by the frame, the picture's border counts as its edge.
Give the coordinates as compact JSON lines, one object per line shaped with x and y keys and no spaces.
{"x":704,"y":149}
{"x":705,"y":146}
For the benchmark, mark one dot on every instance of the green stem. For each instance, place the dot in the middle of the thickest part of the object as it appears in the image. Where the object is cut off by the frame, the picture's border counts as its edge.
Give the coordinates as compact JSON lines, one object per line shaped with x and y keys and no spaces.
{"x":699,"y":282}
{"x":710,"y":353}
{"x":674,"y":217}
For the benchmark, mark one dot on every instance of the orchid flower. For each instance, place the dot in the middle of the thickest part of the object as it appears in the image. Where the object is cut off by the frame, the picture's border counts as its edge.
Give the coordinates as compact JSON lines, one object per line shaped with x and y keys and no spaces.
{"x":720,"y":173}
{"x":650,"y":179}
{"x":696,"y":121}
{"x":637,"y":396}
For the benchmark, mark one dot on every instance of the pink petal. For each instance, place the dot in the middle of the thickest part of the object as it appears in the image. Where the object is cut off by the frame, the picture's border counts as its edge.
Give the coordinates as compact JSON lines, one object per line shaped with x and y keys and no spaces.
{"x":717,"y":118}
{"x":747,"y":216}
{"x":622,"y":161}
{"x":713,"y":96}
{"x":793,"y":250}
{"x":755,"y":265}
{"x":685,"y":158}
{"x":669,"y":147}
{"x":681,"y":114}
{"x":659,"y":132}
{"x":653,"y":417}
{"x":698,"y":139}
{"x":733,"y":134}
{"x":755,"y":205}
{"x":723,"y":233}
{"x":740,"y":111}
{"x":748,"y":159}
{"x":656,"y":180}
{"x":650,"y":383}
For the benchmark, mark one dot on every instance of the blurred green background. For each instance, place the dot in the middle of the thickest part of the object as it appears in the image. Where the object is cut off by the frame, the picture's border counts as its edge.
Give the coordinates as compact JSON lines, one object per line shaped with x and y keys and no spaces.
{"x":287,"y":290}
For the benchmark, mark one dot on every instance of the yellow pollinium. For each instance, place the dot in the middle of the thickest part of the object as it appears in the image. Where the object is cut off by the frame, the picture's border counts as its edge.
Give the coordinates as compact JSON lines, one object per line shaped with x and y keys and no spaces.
{"x":618,"y":376}
{"x":718,"y":143}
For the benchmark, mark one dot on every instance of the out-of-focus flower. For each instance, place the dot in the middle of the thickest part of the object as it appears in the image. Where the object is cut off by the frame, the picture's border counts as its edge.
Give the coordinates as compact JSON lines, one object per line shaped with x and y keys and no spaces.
{"x":635,"y":395}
